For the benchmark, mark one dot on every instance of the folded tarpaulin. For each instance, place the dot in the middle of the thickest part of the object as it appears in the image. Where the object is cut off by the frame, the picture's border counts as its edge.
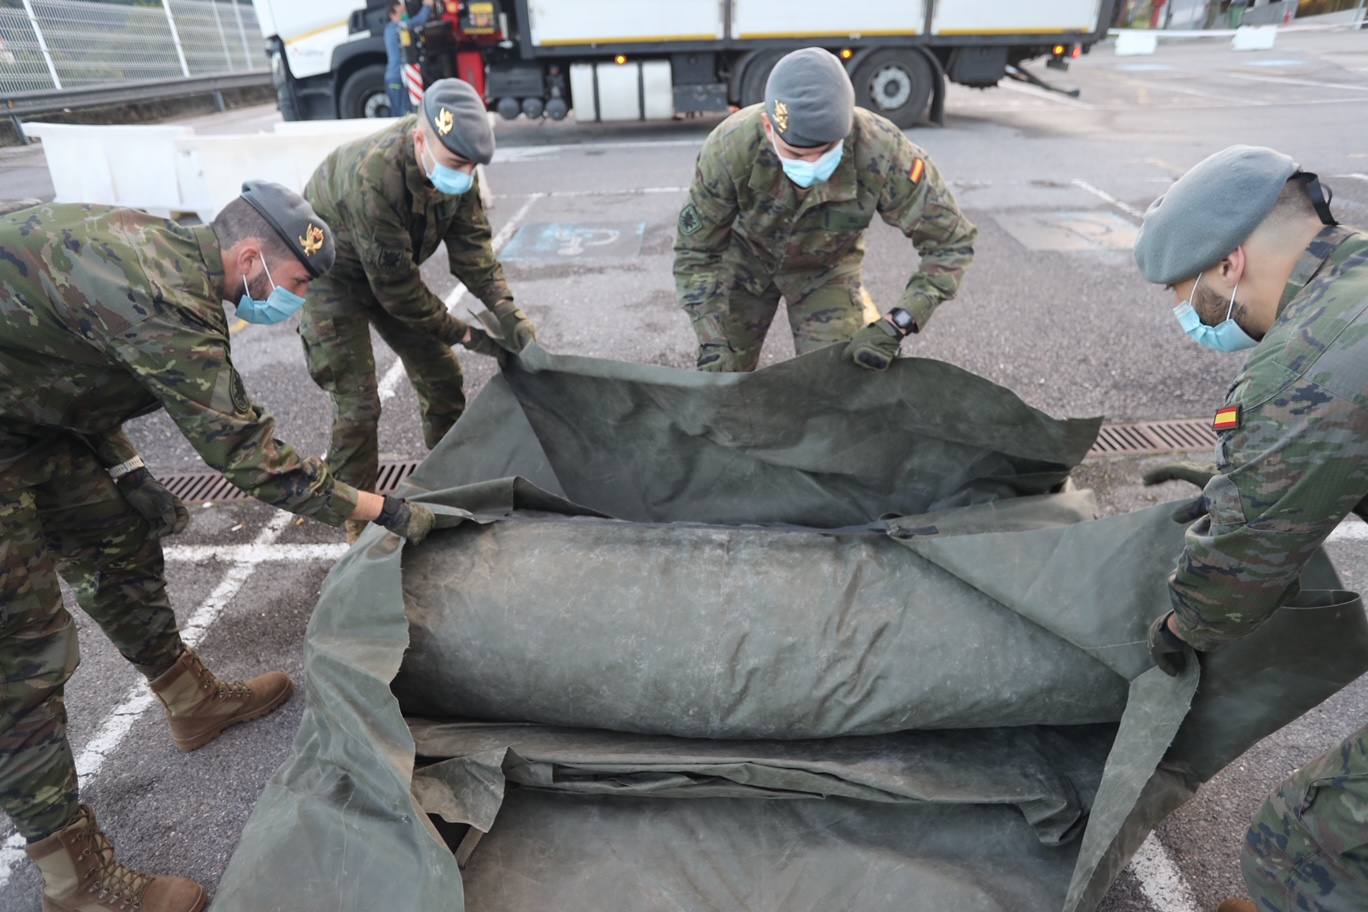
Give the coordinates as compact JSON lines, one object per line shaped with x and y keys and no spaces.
{"x":802,"y":639}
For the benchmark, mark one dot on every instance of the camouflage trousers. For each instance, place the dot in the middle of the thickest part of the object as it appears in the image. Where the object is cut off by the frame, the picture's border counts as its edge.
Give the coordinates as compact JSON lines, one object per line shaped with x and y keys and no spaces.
{"x":820,"y":313}
{"x":73,"y":521}
{"x":335,"y":329}
{"x":1307,"y":850}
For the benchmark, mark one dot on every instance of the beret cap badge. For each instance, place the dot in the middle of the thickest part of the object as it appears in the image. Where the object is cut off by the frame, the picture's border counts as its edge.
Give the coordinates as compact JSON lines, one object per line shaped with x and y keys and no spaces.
{"x":445,"y":121}
{"x":781,"y":119}
{"x":312,"y":241}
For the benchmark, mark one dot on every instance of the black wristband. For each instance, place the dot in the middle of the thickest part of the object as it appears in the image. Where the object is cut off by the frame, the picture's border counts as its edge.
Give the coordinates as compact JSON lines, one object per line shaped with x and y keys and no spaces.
{"x":904,"y":321}
{"x":390,"y":511}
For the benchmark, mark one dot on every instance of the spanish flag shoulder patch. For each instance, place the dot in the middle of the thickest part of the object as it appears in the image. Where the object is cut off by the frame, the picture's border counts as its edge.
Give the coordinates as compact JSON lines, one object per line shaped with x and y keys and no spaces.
{"x":918,"y":170}
{"x":1227,"y":419}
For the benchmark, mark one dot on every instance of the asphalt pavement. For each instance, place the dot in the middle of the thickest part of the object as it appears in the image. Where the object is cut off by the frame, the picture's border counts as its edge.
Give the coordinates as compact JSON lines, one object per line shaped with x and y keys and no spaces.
{"x":1052,"y":308}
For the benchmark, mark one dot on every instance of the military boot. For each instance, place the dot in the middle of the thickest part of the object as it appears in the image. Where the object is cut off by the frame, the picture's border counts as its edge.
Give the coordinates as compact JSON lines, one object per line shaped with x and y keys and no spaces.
{"x":354,"y":529}
{"x":80,"y":874}
{"x":1236,"y":905}
{"x":199,"y":706}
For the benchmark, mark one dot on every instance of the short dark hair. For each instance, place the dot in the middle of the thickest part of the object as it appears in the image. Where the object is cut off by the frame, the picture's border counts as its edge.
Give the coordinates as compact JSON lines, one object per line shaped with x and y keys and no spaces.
{"x":238,"y":222}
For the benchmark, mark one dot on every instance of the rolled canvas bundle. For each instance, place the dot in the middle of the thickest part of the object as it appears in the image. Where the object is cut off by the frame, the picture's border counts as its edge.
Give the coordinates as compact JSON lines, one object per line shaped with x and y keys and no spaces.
{"x":809,"y":638}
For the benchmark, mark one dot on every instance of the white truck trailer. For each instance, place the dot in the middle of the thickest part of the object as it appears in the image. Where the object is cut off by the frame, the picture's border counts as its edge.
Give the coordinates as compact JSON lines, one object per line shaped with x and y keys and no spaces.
{"x":646,"y":59}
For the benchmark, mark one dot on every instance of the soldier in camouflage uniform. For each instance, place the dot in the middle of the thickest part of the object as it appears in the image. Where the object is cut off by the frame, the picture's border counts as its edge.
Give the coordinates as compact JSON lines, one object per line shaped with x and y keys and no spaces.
{"x":392,"y":198}
{"x":1248,"y":244}
{"x":105,"y":315}
{"x":781,"y":198}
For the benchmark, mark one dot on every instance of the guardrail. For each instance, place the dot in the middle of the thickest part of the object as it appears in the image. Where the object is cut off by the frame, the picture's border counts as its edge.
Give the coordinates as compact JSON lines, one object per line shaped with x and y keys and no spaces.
{"x":57,"y":54}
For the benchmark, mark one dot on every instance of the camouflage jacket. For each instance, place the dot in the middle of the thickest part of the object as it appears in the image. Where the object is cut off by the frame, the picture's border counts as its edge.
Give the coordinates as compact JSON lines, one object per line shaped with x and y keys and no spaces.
{"x":744,"y":216}
{"x":387,"y":219}
{"x":107,"y":314}
{"x":1296,"y":463}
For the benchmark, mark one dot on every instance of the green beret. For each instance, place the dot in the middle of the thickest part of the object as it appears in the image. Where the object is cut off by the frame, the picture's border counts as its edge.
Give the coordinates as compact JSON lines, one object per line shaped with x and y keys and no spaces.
{"x":458,"y":118}
{"x":809,"y":98}
{"x":294,"y":220}
{"x":1210,"y":211}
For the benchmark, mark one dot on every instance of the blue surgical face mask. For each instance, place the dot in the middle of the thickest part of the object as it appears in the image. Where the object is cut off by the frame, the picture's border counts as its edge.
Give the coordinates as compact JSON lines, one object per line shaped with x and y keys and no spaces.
{"x":280,"y":304}
{"x":449,"y":180}
{"x":1226,"y":336}
{"x":807,"y":173}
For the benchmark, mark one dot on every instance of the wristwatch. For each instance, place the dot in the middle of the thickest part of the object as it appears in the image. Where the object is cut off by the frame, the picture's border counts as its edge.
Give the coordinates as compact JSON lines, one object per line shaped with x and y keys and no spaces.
{"x":904,"y":321}
{"x":125,"y":468}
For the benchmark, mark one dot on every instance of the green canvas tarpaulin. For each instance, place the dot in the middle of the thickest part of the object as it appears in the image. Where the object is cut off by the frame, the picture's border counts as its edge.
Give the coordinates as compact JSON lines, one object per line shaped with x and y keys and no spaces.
{"x":808,"y":638}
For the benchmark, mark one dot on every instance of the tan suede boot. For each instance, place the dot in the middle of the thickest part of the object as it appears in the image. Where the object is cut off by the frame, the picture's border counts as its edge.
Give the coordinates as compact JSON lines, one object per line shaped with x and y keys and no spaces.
{"x":354,"y":528}
{"x":199,"y":706}
{"x":80,"y":874}
{"x":1236,"y":905}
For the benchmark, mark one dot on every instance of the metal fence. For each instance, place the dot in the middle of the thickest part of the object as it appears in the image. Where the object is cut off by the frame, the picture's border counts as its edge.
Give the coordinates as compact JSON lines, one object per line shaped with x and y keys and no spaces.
{"x":61,"y":45}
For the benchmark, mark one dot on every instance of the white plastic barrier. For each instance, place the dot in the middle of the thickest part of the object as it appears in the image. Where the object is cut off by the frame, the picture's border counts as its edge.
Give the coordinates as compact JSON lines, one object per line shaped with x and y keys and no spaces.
{"x":168,"y":169}
{"x":1254,"y":38}
{"x":112,"y":165}
{"x":354,"y":128}
{"x":1132,"y":43}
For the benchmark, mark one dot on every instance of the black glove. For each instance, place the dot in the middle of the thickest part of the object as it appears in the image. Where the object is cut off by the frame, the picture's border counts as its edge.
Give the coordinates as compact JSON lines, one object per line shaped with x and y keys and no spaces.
{"x":715,"y":357}
{"x":164,"y":511}
{"x":409,"y":521}
{"x":1167,"y":649}
{"x":875,"y":346}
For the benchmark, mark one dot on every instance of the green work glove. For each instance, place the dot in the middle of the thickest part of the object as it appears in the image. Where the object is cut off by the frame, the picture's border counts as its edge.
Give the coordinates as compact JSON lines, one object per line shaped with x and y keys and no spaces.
{"x":875,"y":346}
{"x":1167,"y":649}
{"x":518,"y":331}
{"x":715,"y":357}
{"x":409,"y":521}
{"x":164,"y":511}
{"x":1192,"y":472}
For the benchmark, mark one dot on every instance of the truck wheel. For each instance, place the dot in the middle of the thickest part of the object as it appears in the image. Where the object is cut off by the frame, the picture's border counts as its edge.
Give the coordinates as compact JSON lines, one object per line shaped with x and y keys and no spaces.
{"x":896,"y":83}
{"x":363,"y":94}
{"x":757,"y":73}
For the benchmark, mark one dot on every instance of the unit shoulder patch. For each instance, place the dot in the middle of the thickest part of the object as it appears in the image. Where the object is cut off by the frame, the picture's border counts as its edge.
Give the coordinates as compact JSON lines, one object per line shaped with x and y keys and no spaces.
{"x":918,"y":171}
{"x":689,"y":220}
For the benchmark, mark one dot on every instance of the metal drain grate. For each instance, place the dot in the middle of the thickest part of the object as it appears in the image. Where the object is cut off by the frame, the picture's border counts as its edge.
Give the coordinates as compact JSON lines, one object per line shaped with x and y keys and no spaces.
{"x":1113,"y":440}
{"x":200,"y":487}
{"x":1154,"y":437}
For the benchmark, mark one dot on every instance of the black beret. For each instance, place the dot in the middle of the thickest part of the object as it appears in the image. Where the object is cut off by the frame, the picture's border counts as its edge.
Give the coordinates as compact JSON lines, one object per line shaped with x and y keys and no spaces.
{"x":295,"y":222}
{"x":458,"y":118}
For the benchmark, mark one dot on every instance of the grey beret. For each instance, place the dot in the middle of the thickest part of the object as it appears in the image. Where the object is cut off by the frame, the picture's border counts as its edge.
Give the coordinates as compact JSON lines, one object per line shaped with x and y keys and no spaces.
{"x":458,"y":118}
{"x":294,"y":220}
{"x":1210,"y":211}
{"x":809,"y":98}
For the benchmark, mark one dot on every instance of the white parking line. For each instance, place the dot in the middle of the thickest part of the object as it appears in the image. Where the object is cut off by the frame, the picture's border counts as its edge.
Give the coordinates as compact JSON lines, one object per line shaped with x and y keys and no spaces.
{"x":1287,"y":80}
{"x":389,"y":383}
{"x":1160,"y":879}
{"x":526,"y":153}
{"x":139,"y":697}
{"x":1108,"y":198}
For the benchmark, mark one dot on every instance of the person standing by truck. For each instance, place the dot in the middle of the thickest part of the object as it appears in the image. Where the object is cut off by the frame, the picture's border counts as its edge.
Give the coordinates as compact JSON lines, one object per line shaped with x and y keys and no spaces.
{"x":394,"y":53}
{"x":781,"y":198}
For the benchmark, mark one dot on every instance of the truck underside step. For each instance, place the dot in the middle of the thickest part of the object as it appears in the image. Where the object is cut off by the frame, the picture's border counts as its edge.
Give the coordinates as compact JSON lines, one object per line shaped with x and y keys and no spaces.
{"x":1138,"y":438}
